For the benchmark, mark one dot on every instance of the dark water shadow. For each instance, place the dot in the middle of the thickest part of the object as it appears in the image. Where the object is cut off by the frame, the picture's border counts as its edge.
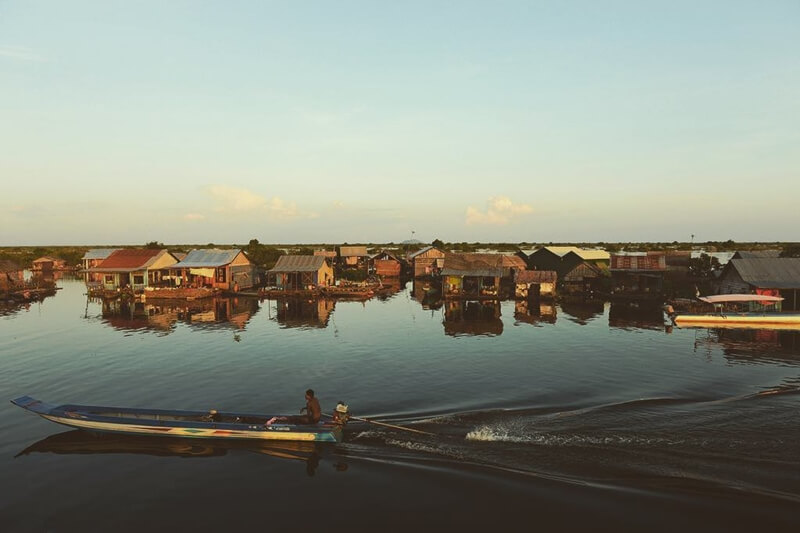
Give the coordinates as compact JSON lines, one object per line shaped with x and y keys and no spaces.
{"x":472,"y":317}
{"x":79,"y":442}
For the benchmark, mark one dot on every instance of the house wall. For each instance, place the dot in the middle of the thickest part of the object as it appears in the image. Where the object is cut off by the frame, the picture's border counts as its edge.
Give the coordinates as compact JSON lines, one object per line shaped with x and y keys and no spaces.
{"x":545,"y":290}
{"x":43,"y":265}
{"x":387,"y":267}
{"x":11,"y":279}
{"x":325,"y":275}
{"x":163,"y":260}
{"x":580,"y":273}
{"x":241,"y":276}
{"x":651,"y":261}
{"x":732,"y":283}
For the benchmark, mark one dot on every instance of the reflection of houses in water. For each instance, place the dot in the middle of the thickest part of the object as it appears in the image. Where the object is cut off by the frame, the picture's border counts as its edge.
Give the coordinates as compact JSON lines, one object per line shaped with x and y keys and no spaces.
{"x":622,"y":315}
{"x":303,"y":313}
{"x":472,"y":317}
{"x":225,"y":312}
{"x":582,"y":311}
{"x":162,"y":315}
{"x":388,"y":288}
{"x":134,"y":315}
{"x":752,"y":346}
{"x":427,"y":294}
{"x":533,"y":312}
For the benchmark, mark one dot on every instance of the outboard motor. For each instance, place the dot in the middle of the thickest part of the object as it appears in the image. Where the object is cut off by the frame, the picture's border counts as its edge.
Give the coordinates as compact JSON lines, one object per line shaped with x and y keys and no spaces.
{"x":341,"y":414}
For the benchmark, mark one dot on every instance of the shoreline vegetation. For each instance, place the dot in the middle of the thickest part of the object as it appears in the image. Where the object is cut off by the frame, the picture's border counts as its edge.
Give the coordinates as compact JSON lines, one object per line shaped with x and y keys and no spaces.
{"x":265,"y":255}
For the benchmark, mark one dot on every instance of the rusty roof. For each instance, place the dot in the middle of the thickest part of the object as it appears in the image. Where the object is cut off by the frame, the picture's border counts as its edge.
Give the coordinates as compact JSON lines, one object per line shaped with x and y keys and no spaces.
{"x":477,"y":261}
{"x":9,"y":266}
{"x":129,"y":259}
{"x":536,"y":276}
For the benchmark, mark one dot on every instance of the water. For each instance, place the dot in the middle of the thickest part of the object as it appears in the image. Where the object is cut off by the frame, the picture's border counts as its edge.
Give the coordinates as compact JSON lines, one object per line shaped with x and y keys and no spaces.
{"x":564,"y":418}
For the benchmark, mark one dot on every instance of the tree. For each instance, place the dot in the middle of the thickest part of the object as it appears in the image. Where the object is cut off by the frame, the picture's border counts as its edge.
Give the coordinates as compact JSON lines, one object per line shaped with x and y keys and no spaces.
{"x":437,"y":243}
{"x":154,"y":245}
{"x":703,"y":266}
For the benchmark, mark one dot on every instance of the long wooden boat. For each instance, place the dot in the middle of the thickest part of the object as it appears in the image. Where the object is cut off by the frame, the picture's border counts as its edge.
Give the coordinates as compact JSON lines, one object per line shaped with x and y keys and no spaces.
{"x":761,"y":318}
{"x":196,"y":424}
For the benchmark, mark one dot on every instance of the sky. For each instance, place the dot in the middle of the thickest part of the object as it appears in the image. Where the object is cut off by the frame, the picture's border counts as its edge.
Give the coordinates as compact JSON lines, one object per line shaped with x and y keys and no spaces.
{"x":375,"y":121}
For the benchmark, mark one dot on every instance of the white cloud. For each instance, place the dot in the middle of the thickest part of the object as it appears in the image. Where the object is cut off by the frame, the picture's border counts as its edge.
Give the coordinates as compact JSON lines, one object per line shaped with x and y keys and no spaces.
{"x":232,"y":200}
{"x":21,"y":53}
{"x":500,"y":211}
{"x":193,"y":216}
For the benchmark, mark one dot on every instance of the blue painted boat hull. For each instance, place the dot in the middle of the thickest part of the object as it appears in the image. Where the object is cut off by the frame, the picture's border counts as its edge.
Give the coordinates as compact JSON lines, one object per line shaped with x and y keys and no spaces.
{"x":192,"y":424}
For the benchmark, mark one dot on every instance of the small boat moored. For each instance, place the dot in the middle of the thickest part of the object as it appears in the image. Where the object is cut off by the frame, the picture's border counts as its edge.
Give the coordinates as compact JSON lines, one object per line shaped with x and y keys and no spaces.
{"x":741,"y":311}
{"x":196,"y":424}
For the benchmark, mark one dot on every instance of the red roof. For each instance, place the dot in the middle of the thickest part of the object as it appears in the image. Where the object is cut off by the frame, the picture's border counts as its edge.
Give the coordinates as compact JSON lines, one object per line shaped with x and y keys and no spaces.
{"x":131,"y":258}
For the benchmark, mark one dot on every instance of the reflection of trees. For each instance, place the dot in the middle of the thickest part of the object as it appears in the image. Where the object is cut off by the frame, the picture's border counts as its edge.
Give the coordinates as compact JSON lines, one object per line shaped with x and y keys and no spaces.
{"x":471,"y":317}
{"x":303,"y":313}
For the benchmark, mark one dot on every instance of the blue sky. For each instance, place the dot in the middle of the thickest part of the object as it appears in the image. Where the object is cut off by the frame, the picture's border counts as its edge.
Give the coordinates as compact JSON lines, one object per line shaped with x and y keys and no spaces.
{"x":193,"y":122}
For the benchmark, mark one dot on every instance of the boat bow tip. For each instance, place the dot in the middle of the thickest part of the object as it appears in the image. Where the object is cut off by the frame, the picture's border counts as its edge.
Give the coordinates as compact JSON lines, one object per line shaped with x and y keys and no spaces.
{"x":31,"y":404}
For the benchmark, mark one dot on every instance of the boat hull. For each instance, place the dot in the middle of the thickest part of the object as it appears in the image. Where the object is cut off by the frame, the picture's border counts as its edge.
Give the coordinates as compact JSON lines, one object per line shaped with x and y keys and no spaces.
{"x":734,"y":320}
{"x":183,"y":424}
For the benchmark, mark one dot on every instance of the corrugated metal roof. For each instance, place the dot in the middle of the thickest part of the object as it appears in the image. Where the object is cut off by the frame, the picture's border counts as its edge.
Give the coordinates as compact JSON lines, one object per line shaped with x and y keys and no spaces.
{"x":769,"y":273}
{"x":757,"y":254}
{"x":298,"y":263}
{"x":418,"y":252}
{"x":208,"y":258}
{"x":476,"y":272}
{"x":536,"y":276}
{"x":99,"y":253}
{"x":492,"y":261}
{"x":388,"y":254}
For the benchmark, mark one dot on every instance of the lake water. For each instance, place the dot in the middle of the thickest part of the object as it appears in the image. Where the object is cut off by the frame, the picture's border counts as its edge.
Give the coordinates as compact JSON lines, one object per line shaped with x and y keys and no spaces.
{"x":570,"y":418}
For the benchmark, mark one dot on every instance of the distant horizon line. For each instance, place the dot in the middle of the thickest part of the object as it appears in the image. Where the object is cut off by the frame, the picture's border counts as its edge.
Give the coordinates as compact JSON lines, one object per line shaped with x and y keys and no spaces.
{"x":475,"y":243}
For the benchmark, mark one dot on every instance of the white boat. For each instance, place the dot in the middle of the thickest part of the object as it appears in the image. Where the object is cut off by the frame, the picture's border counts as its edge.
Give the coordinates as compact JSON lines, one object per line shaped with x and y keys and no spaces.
{"x":741,"y":311}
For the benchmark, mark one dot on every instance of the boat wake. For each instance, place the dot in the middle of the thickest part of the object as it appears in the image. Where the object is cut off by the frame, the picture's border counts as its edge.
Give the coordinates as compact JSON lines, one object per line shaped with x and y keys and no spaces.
{"x":665,"y":444}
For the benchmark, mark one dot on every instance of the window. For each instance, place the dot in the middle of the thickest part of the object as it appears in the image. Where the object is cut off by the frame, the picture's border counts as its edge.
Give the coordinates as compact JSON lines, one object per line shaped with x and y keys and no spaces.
{"x":138,"y":279}
{"x":109,"y":279}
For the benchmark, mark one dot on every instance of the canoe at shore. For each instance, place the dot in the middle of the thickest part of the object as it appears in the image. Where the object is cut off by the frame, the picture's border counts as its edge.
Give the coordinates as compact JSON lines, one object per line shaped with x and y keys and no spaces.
{"x":171,"y":423}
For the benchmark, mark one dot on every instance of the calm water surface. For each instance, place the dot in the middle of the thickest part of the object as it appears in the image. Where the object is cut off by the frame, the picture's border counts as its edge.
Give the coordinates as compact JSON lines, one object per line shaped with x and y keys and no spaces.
{"x":569,"y":418}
